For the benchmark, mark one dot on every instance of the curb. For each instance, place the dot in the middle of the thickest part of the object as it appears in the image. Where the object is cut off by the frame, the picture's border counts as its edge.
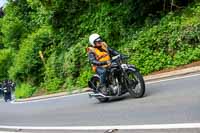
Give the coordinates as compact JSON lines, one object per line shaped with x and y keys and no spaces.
{"x":148,"y":78}
{"x":170,"y":74}
{"x":53,"y":95}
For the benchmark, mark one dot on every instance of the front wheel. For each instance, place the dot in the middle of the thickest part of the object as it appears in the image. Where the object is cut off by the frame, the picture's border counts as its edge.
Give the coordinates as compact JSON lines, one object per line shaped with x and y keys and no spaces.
{"x":7,"y":96}
{"x":135,"y":83}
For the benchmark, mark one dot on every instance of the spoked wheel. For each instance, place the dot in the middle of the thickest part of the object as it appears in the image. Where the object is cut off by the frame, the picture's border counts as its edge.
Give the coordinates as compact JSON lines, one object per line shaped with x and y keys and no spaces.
{"x":135,"y":84}
{"x":96,"y":83}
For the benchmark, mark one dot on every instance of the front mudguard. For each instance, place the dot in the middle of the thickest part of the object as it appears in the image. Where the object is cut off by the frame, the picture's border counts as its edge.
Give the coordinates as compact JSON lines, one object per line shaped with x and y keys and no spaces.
{"x":133,"y":68}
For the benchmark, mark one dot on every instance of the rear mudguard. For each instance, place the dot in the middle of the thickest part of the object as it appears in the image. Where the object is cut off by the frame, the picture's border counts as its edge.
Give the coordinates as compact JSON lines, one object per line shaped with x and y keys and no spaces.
{"x":90,"y":82}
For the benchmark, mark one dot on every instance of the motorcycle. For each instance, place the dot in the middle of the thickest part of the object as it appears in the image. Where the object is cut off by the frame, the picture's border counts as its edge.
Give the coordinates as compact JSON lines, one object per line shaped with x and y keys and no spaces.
{"x":121,"y":78}
{"x":7,"y":94}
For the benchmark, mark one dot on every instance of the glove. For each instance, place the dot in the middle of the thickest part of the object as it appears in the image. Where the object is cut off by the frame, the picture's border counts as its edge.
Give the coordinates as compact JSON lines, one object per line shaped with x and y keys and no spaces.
{"x":108,"y":62}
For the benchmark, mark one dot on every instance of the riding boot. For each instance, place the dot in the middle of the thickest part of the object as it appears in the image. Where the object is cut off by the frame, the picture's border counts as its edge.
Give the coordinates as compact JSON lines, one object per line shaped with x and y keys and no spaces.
{"x":103,"y":89}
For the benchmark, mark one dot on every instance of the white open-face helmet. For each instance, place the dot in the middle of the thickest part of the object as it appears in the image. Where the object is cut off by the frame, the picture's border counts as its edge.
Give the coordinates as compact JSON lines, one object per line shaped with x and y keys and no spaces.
{"x":93,"y":38}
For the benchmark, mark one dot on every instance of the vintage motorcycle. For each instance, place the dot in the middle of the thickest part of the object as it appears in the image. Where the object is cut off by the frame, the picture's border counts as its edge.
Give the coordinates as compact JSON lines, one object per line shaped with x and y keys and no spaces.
{"x":121,"y":78}
{"x":7,"y":88}
{"x":7,"y":94}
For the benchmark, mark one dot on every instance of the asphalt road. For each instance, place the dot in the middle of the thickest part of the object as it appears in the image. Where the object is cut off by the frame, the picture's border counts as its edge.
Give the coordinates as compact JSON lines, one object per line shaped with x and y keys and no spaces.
{"x":166,"y":102}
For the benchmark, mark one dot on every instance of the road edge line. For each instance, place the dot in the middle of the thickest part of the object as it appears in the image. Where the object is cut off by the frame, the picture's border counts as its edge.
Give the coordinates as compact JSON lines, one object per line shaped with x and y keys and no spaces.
{"x":119,"y":127}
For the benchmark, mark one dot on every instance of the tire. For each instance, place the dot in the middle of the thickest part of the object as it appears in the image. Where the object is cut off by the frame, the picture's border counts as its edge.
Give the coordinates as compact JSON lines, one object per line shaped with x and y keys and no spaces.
{"x":135,"y":85}
{"x":5,"y":97}
{"x":9,"y":96}
{"x":96,"y":83}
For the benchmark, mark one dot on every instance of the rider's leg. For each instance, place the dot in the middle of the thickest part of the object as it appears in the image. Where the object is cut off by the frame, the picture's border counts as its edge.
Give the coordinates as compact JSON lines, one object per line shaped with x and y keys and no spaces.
{"x":9,"y":96}
{"x":5,"y":97}
{"x":101,"y":71}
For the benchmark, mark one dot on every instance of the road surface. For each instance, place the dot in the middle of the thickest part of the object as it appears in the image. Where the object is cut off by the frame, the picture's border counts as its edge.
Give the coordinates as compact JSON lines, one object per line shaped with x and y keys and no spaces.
{"x":172,"y":101}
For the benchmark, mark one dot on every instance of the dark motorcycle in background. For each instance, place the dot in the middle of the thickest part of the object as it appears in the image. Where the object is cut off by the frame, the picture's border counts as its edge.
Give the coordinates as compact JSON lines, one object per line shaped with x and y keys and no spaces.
{"x":7,"y":94}
{"x":6,"y":89}
{"x":121,"y":78}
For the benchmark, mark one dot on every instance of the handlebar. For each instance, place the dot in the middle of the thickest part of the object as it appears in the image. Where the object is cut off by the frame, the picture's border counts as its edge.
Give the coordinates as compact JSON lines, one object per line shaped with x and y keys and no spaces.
{"x":122,"y":57}
{"x":115,"y":58}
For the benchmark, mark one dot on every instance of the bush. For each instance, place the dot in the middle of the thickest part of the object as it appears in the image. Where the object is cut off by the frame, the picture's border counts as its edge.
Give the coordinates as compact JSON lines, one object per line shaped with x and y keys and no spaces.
{"x":171,"y":43}
{"x":54,"y":73}
{"x":74,"y":61}
{"x":13,"y":24}
{"x":52,"y":85}
{"x":28,"y":64}
{"x":24,"y":90}
{"x":82,"y":80}
{"x":5,"y":62}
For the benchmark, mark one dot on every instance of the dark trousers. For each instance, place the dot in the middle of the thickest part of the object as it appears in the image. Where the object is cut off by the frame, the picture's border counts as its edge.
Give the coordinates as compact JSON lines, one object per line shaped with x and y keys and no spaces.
{"x":101,"y":71}
{"x":7,"y":96}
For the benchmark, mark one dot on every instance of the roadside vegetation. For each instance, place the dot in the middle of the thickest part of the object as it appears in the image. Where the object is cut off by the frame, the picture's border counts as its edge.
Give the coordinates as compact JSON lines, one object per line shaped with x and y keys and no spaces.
{"x":42,"y":43}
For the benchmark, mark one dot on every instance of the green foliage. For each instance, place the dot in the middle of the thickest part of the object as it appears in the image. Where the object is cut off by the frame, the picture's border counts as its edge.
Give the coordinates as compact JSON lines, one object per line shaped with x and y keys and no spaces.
{"x":52,"y":85}
{"x":191,"y":54}
{"x":12,"y":29}
{"x":14,"y":23}
{"x":86,"y":74}
{"x":75,"y":60}
{"x":54,"y":73}
{"x":53,"y":67}
{"x":1,"y":35}
{"x":172,"y":42}
{"x":105,"y":19}
{"x":28,"y":64}
{"x":5,"y":62}
{"x":24,"y":90}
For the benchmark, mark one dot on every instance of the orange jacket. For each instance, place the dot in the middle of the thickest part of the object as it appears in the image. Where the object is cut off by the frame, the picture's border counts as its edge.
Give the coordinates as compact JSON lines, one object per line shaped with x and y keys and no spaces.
{"x":101,"y":55}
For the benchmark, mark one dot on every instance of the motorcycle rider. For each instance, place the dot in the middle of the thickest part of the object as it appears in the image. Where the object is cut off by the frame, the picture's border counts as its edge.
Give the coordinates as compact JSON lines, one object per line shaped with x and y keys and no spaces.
{"x":99,"y":55}
{"x":1,"y":92}
{"x":8,"y":86}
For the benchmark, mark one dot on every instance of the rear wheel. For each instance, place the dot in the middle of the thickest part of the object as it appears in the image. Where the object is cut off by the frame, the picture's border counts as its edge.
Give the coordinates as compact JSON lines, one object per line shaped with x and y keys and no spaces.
{"x":135,"y":83}
{"x":96,"y":83}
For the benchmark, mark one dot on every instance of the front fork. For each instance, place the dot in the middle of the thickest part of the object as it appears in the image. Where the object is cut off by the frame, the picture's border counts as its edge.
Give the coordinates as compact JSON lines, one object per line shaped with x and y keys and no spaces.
{"x":129,"y":83}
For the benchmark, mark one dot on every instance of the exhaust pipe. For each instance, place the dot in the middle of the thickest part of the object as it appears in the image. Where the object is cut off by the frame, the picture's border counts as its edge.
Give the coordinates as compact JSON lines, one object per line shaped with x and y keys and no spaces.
{"x":98,"y":95}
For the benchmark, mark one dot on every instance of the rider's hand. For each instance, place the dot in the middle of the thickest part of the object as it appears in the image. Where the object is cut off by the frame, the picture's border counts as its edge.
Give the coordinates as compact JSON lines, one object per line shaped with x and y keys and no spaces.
{"x":108,"y":62}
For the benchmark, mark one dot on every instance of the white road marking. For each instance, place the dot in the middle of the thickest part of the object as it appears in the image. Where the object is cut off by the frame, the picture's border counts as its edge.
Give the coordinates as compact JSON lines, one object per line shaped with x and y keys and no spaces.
{"x":51,"y":98}
{"x":7,"y":132}
{"x":175,"y":78}
{"x":150,"y":82}
{"x":119,"y":127}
